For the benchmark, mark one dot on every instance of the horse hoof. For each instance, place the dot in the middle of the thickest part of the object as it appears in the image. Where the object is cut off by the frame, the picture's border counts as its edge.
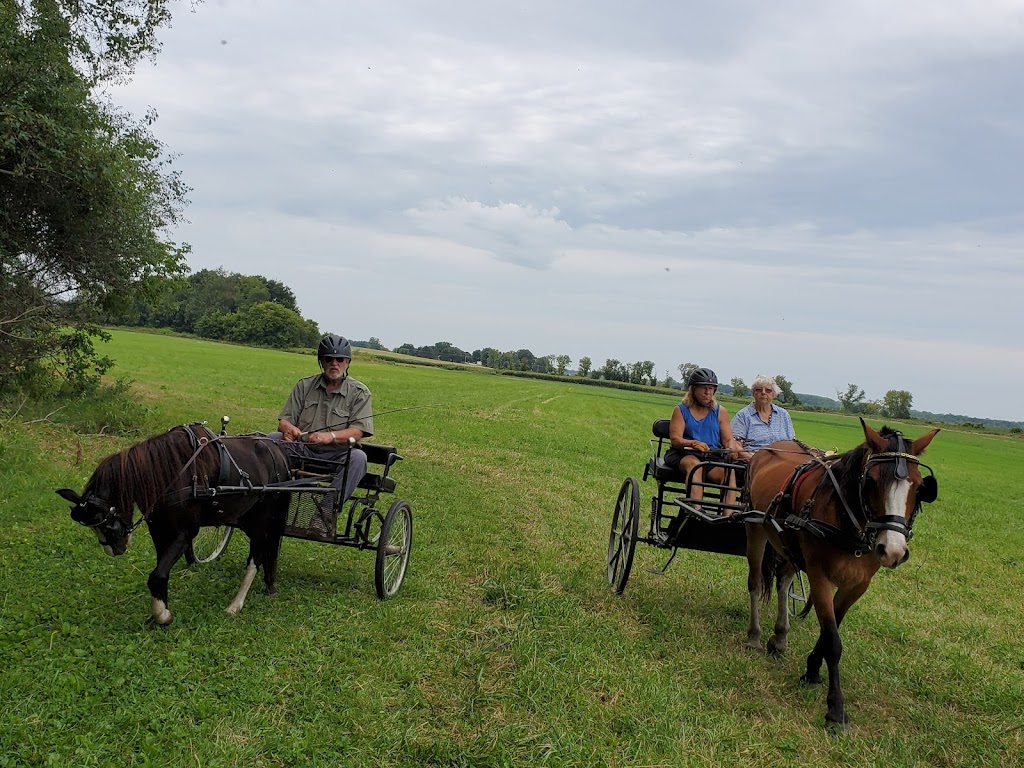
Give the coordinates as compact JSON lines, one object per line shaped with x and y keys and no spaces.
{"x":232,"y":610}
{"x":776,"y":649}
{"x":807,"y":680}
{"x":164,"y":618}
{"x":836,"y":726}
{"x":754,"y":647}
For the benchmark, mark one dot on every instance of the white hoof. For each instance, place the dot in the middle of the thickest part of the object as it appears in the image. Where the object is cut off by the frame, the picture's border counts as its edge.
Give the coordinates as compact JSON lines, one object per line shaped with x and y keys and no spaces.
{"x":161,"y":614}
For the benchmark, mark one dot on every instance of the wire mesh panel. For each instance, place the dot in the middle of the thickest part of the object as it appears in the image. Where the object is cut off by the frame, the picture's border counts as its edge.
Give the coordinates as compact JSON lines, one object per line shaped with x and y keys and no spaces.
{"x":310,"y":513}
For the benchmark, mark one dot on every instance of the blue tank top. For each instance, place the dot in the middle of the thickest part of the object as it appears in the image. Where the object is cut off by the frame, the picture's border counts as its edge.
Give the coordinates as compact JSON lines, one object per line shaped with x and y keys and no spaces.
{"x":707,"y":430}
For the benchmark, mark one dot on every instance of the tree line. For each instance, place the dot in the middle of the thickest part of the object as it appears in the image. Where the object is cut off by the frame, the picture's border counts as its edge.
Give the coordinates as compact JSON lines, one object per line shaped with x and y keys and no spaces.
{"x":225,"y":306}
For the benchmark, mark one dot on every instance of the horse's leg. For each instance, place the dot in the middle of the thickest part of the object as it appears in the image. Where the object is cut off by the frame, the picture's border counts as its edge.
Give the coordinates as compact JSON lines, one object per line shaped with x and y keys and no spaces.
{"x":821,"y":596}
{"x":844,"y":599}
{"x":250,"y":573}
{"x":170,"y":546}
{"x":779,"y":640}
{"x":757,"y":539}
{"x":272,"y":547}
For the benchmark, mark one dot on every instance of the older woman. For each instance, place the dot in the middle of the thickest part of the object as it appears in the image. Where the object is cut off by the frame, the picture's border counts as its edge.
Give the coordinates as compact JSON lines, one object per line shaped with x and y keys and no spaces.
{"x":699,"y":424}
{"x":762,"y":422}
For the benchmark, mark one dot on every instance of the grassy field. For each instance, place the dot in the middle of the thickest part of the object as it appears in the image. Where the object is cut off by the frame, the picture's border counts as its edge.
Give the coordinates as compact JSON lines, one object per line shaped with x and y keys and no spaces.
{"x":505,"y":646}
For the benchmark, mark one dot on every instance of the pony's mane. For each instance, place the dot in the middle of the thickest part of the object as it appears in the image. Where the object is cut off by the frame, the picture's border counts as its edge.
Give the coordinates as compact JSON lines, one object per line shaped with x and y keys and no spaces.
{"x":848,"y":469}
{"x":143,"y":473}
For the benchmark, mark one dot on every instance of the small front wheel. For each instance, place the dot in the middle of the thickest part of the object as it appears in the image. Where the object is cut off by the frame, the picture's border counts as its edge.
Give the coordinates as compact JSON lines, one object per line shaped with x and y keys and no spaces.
{"x":393,"y":547}
{"x":210,"y":543}
{"x":622,"y":540}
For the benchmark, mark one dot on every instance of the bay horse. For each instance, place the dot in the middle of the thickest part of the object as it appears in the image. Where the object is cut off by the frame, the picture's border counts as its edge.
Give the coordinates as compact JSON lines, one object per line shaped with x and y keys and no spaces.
{"x":172,"y":479}
{"x":838,"y":518}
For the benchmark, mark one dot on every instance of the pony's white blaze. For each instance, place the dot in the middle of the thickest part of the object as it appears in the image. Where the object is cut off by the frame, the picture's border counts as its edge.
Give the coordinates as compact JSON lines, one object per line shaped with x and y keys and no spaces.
{"x":891,"y":545}
{"x":239,"y":601}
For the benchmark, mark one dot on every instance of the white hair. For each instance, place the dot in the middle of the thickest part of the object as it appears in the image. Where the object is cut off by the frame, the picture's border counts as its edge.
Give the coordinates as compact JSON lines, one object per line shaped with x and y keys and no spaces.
{"x":765,"y":381}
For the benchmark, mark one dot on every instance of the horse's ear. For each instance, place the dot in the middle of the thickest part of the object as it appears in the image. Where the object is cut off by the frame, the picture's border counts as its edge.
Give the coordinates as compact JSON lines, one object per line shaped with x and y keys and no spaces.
{"x":918,"y":446}
{"x":67,"y":493}
{"x":928,"y":491}
{"x":874,"y":440}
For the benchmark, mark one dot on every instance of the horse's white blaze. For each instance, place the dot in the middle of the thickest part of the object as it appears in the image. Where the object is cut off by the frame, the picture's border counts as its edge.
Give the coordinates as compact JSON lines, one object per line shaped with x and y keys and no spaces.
{"x":894,"y":544}
{"x":239,"y":601}
{"x":160,"y":613}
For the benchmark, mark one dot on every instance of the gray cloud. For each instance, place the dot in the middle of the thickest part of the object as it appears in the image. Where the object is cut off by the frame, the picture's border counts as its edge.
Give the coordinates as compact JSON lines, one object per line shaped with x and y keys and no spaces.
{"x":824,"y":191}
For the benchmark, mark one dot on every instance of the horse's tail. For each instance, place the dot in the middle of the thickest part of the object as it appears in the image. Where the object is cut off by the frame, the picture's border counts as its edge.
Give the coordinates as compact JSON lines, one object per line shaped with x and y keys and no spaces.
{"x":807,"y":607}
{"x":770,"y":563}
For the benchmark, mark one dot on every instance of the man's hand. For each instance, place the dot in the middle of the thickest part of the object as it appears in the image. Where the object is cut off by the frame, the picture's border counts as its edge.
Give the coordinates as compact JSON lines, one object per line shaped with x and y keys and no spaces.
{"x":320,"y":438}
{"x":289,"y":432}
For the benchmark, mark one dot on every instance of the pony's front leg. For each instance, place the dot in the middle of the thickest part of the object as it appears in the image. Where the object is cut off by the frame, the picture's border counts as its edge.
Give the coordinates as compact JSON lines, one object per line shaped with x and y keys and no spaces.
{"x":824,"y":608}
{"x":832,"y":648}
{"x":168,"y":549}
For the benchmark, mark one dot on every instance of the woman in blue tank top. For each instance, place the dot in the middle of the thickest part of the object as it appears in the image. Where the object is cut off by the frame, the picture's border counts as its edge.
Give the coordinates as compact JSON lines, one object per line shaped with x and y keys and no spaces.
{"x":699,"y":424}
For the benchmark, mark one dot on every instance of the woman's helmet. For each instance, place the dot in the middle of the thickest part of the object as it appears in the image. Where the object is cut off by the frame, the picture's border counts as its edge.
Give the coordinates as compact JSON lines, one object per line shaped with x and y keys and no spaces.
{"x":703,"y":376}
{"x":333,"y":345}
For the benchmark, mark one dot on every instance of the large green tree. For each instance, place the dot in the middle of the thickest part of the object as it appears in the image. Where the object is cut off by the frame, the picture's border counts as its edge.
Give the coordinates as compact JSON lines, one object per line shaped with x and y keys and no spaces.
{"x":86,"y":195}
{"x":896,"y":404}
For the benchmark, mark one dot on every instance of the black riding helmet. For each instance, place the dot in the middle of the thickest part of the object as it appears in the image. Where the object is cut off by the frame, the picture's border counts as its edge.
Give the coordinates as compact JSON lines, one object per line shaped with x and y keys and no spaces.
{"x":703,"y":376}
{"x":333,"y":345}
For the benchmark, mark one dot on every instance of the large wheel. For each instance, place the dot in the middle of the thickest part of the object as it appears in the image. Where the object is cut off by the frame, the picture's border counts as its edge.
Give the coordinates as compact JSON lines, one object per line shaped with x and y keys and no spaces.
{"x":622,"y":541}
{"x":210,"y":542}
{"x":393,"y":549}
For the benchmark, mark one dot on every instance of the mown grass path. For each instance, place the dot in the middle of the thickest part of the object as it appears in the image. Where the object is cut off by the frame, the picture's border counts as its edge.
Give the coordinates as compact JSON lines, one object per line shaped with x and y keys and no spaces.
{"x":505,"y":647}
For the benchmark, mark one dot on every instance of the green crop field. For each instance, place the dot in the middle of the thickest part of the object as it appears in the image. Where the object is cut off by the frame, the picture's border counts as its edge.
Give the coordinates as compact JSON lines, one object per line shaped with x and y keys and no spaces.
{"x":505,"y":646}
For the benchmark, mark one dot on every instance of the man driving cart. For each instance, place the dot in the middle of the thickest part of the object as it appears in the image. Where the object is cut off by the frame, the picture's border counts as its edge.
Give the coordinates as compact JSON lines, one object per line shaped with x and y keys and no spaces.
{"x":325,"y":417}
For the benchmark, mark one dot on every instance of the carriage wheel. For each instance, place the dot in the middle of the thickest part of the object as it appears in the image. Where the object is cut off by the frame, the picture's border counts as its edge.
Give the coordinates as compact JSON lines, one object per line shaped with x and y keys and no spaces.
{"x":393,"y":549}
{"x":797,"y":594}
{"x":210,"y":542}
{"x":622,"y":541}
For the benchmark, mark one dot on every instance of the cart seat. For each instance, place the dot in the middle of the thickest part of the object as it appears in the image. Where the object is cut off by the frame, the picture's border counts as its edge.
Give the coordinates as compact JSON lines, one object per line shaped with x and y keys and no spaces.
{"x":656,"y":466}
{"x":383,"y":455}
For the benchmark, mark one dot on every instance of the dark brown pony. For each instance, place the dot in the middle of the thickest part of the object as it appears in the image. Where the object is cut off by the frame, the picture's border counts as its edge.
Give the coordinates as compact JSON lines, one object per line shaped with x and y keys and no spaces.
{"x":171,"y":479}
{"x":839,"y":519}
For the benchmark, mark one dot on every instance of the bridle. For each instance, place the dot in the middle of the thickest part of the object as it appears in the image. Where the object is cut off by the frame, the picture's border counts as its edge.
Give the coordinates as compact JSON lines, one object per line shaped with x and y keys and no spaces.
{"x":897,"y":523}
{"x":99,"y":514}
{"x":866,"y":526}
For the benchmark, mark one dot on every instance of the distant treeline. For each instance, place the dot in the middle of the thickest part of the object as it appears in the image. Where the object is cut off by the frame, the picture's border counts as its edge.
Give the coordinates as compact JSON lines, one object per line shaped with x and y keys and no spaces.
{"x":226,"y":306}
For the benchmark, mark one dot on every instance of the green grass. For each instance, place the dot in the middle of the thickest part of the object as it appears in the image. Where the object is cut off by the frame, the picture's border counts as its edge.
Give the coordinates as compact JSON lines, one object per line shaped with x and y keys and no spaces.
{"x":505,"y":646}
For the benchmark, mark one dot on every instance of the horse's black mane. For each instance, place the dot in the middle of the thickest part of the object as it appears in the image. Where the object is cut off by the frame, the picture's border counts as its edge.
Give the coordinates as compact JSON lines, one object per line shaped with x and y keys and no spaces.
{"x":847,"y":469}
{"x":142,"y":474}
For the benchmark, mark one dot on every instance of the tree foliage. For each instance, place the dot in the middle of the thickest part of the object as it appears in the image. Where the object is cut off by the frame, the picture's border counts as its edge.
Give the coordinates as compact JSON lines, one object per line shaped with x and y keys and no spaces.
{"x":852,"y":400}
{"x":584,"y":366}
{"x":228,"y":306}
{"x":786,"y":393}
{"x":86,"y":195}
{"x":897,"y":403}
{"x":739,"y":387}
{"x":685,"y":369}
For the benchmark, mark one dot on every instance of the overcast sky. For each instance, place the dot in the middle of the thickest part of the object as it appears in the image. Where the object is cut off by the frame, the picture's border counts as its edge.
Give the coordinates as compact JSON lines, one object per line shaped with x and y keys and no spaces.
{"x":831,"y":191}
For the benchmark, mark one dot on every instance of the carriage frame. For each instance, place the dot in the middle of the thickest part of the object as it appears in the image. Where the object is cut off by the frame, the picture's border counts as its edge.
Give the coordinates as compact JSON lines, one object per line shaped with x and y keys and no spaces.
{"x":358,"y":523}
{"x":676,"y":520}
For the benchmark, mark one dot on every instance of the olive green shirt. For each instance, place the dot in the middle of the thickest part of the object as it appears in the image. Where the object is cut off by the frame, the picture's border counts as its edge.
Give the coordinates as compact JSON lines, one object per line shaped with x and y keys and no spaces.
{"x":311,"y":408}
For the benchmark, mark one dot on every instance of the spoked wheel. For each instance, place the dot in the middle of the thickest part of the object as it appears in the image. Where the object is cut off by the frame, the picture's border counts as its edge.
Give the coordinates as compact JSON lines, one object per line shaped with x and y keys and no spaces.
{"x":393,"y":549}
{"x":210,"y":542}
{"x":797,"y":594}
{"x":622,"y":541}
